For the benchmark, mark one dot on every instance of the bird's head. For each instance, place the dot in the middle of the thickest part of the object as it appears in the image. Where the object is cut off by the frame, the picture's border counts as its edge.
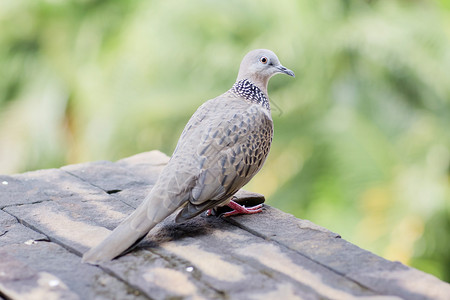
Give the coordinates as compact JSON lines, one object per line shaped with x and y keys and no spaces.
{"x":259,"y":66}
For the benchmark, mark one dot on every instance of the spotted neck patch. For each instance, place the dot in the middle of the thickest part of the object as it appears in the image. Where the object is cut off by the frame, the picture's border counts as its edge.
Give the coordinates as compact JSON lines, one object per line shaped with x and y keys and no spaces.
{"x":250,"y":92}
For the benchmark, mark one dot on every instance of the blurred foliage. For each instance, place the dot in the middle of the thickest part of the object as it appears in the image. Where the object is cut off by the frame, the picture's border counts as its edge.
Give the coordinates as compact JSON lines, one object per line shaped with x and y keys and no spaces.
{"x":362,"y":139}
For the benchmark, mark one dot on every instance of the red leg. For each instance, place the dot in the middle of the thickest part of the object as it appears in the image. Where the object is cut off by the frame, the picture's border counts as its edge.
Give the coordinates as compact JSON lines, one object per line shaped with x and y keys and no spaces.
{"x":240,"y":209}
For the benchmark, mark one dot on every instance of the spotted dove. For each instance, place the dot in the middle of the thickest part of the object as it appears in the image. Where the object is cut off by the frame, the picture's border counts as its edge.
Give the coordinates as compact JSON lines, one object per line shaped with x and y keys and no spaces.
{"x":224,"y":144}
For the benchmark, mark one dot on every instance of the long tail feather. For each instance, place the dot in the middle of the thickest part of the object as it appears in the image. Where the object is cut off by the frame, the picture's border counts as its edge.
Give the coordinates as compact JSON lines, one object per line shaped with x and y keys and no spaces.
{"x":133,"y":228}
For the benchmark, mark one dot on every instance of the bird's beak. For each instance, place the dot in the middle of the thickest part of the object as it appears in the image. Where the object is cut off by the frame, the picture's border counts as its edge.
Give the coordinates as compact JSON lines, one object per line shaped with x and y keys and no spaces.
{"x":284,"y":70}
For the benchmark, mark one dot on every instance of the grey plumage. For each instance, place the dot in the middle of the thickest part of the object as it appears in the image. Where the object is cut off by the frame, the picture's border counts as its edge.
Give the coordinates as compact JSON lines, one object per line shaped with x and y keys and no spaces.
{"x":224,"y":144}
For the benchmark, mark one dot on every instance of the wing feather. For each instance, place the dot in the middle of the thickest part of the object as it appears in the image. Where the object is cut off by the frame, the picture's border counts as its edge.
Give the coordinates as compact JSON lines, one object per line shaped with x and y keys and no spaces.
{"x":228,"y":150}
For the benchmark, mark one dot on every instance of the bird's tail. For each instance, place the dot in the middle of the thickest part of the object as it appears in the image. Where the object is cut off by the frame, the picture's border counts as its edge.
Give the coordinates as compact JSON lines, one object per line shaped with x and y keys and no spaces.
{"x":134,"y":227}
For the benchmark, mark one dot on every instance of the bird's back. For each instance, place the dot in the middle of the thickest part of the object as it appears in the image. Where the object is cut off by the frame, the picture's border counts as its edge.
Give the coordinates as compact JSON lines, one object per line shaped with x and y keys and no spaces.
{"x":222,"y":147}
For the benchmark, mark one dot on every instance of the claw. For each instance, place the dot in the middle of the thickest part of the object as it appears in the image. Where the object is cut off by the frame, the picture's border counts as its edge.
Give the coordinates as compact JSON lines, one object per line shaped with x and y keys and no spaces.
{"x":240,"y":209}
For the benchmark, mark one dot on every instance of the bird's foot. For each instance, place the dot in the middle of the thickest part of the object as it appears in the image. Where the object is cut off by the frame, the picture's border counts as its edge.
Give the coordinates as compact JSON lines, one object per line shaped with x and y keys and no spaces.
{"x":242,"y":210}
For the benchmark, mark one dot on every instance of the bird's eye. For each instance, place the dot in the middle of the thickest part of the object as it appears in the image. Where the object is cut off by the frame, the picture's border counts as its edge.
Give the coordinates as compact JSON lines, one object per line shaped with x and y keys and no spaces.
{"x":263,"y":59}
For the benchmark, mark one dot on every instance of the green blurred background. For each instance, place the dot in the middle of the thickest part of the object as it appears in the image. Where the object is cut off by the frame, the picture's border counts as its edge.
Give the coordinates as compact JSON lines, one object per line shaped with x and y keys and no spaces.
{"x":362,"y":135}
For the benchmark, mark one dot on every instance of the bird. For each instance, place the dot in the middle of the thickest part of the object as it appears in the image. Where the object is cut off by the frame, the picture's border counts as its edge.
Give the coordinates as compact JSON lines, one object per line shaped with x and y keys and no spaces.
{"x":223,"y":145}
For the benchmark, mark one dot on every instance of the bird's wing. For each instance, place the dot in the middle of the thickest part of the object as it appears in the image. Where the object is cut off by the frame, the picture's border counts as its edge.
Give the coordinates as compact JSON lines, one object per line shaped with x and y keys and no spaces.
{"x":228,"y":140}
